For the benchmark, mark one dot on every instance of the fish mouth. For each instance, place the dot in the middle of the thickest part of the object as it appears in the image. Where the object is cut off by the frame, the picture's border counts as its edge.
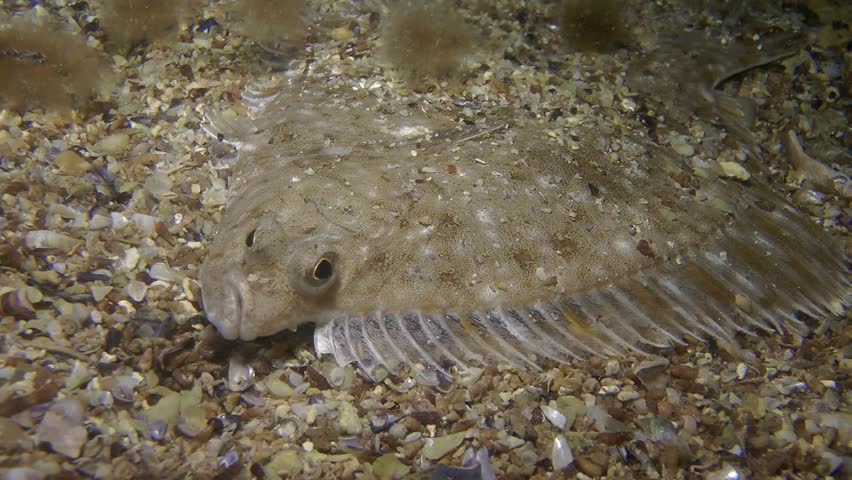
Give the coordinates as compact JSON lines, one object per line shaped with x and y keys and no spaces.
{"x":227,"y":312}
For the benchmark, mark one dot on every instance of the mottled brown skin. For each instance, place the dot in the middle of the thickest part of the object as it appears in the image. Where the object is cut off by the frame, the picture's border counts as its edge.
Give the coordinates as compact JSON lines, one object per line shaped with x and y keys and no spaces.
{"x":530,"y":220}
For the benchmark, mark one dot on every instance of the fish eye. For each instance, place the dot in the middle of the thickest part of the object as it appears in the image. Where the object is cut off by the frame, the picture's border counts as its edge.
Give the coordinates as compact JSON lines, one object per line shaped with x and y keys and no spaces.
{"x":323,"y":270}
{"x":314,"y":276}
{"x":250,"y":238}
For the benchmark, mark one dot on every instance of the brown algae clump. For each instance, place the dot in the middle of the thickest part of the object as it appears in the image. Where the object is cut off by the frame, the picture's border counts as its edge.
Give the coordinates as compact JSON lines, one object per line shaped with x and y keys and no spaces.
{"x":130,"y":22}
{"x":270,"y":23}
{"x":426,"y":41}
{"x":47,"y":67}
{"x":594,"y":25}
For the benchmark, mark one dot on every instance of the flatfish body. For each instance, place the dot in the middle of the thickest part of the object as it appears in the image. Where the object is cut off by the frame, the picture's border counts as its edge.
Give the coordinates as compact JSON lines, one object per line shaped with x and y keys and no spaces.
{"x":412,"y":240}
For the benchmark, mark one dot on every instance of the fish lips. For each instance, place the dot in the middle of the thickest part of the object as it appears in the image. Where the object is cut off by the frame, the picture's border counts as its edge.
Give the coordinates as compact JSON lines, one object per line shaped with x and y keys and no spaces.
{"x":226,"y":306}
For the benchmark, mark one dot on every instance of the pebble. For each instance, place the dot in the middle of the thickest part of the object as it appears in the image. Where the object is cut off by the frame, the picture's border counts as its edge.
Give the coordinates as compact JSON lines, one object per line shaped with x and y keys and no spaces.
{"x":137,"y":290}
{"x":437,"y":447}
{"x":62,"y":427}
{"x":734,"y":170}
{"x":628,"y":395}
{"x":99,"y":292}
{"x":277,"y":387}
{"x":48,"y":239}
{"x":388,"y":467}
{"x":348,"y":419}
{"x":72,"y":162}
{"x":113,"y":144}
{"x":682,"y":147}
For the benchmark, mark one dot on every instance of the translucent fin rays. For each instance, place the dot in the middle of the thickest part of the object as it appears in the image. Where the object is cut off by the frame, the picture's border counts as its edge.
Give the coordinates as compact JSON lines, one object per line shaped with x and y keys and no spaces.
{"x":754,"y":277}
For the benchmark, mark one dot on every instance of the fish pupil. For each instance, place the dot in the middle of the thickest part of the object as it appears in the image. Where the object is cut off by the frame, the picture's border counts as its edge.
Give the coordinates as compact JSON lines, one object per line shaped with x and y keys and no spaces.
{"x":250,"y":238}
{"x":323,"y":270}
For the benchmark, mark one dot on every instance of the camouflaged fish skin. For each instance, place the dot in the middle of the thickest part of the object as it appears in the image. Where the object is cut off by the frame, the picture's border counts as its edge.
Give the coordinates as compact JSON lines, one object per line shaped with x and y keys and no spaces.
{"x":413,"y":241}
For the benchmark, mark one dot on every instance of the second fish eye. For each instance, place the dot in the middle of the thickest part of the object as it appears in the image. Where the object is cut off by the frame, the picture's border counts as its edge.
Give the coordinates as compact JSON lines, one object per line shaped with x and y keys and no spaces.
{"x":323,"y":270}
{"x":250,"y":238}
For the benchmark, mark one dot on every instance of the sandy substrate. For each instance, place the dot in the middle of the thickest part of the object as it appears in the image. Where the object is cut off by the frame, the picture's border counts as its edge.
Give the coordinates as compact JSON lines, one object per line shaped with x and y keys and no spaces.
{"x":108,"y":368}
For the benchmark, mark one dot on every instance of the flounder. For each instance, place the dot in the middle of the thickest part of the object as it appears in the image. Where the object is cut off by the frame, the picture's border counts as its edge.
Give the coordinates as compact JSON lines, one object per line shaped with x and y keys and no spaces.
{"x":414,"y":239}
{"x":411,"y":240}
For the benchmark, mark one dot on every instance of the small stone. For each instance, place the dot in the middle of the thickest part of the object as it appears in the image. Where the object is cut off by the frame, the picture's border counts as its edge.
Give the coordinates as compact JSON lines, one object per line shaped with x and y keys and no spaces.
{"x":560,"y":454}
{"x":388,"y":467}
{"x":511,"y":442}
{"x":62,"y":427}
{"x":341,"y":33}
{"x":681,"y":147}
{"x":99,"y":291}
{"x":628,"y":395}
{"x":684,"y":372}
{"x":80,"y":374}
{"x":72,"y":162}
{"x":425,"y":220}
{"x":277,"y":387}
{"x":288,"y":462}
{"x":99,"y":222}
{"x":652,"y":373}
{"x":437,"y":447}
{"x":12,"y":436}
{"x":571,"y":407}
{"x":48,"y":239}
{"x":755,"y":405}
{"x":348,"y":419}
{"x":734,"y":170}
{"x":137,"y":290}
{"x":113,"y":144}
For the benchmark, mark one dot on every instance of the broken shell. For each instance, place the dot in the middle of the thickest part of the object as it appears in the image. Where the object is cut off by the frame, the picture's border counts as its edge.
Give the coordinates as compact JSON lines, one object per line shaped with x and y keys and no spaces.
{"x":652,"y":373}
{"x":561,"y":455}
{"x":229,"y":460}
{"x":241,"y":375}
{"x":113,"y":144}
{"x":48,"y":239}
{"x":157,"y":430}
{"x":437,"y":447}
{"x":70,"y":161}
{"x":19,"y":303}
{"x":555,"y":416}
{"x":734,"y":170}
{"x":137,"y":290}
{"x":62,"y":427}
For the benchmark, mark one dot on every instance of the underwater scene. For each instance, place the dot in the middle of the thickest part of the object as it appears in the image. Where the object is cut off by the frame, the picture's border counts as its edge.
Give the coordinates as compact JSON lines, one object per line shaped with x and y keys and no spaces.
{"x":450,"y":239}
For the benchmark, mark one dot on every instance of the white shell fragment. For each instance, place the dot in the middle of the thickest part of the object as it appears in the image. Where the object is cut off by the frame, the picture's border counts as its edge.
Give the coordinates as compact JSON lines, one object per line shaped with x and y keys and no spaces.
{"x":554,"y":416}
{"x":561,"y":455}
{"x":49,"y":239}
{"x":137,"y":290}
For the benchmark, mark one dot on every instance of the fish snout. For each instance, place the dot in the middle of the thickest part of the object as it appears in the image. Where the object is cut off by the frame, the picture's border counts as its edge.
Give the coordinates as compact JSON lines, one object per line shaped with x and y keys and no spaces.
{"x":226,"y":301}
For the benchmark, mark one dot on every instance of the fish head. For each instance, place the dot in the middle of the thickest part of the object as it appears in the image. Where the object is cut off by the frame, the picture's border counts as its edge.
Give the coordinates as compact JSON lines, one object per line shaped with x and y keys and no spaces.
{"x":266,"y":273}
